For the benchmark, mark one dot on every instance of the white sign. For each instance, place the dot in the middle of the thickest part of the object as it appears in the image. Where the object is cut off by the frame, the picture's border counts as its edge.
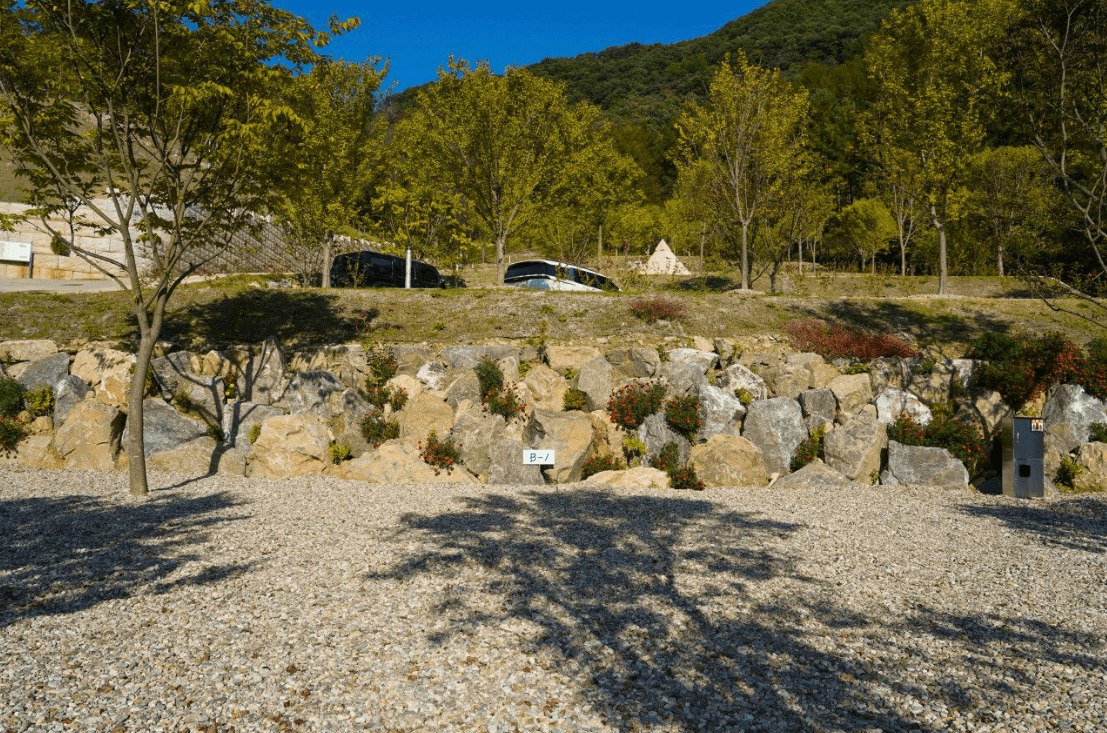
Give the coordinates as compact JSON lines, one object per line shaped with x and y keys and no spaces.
{"x":15,"y":251}
{"x":538,"y":457}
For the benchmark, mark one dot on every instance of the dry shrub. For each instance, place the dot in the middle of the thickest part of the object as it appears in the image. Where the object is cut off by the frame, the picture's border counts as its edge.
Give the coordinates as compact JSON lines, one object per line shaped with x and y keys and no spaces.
{"x":833,"y":340}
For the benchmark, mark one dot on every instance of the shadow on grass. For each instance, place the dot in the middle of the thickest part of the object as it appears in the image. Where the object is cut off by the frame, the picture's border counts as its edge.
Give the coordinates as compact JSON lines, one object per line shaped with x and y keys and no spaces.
{"x":882,"y":316}
{"x":1075,"y":524}
{"x":711,"y":284}
{"x":64,"y":554}
{"x":252,"y":315}
{"x":654,"y":621}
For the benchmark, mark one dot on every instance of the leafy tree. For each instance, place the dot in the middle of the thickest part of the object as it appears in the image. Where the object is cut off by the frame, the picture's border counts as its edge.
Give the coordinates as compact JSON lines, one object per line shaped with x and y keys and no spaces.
{"x":507,"y":142}
{"x":866,"y":227}
{"x":933,"y":64}
{"x":155,"y":119}
{"x":750,"y":133}
{"x":329,"y":159}
{"x":1013,"y":194}
{"x":902,"y":207}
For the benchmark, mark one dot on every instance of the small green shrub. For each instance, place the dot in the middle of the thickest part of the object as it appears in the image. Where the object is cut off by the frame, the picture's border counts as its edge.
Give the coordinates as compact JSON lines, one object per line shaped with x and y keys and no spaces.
{"x":39,"y":401}
{"x":1068,"y":472}
{"x":598,"y":464}
{"x":489,"y":375}
{"x":944,"y":431}
{"x":183,"y":402}
{"x":216,"y":433}
{"x":633,"y":449}
{"x":12,"y":430}
{"x":810,"y":449}
{"x":438,"y":326}
{"x":683,"y":414}
{"x":377,"y":429}
{"x":254,"y":433}
{"x":340,"y":453}
{"x":1098,"y":432}
{"x":440,"y":454}
{"x":569,"y":373}
{"x":546,"y":309}
{"x":685,"y":479}
{"x":524,"y":369}
{"x":656,"y":309}
{"x":630,"y":405}
{"x":668,"y":459}
{"x":858,"y":369}
{"x":744,"y":396}
{"x":11,"y":397}
{"x":382,"y":367}
{"x":574,"y":399}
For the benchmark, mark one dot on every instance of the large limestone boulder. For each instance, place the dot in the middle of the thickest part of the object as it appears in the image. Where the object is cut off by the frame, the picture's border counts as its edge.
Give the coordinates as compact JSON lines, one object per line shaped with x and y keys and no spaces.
{"x":68,"y":392}
{"x":348,"y":409}
{"x":164,"y":428}
{"x":819,"y":407}
{"x":310,"y":392}
{"x":815,"y":475}
{"x":889,"y":371}
{"x":204,"y":396}
{"x":699,"y":358}
{"x":933,"y":388}
{"x":409,"y":359}
{"x":1093,"y":457}
{"x":640,"y":477}
{"x":547,"y":387}
{"x":408,"y":383}
{"x":728,"y":460}
{"x":721,"y":411}
{"x":853,"y":391}
{"x":434,"y":374}
{"x":240,"y":417}
{"x":910,"y":465}
{"x":396,"y":462}
{"x":595,"y":380}
{"x":636,"y":361}
{"x":465,"y":357}
{"x":893,"y":402}
{"x":569,"y":434}
{"x":656,"y":432}
{"x":822,"y":374}
{"x":607,"y":437}
{"x":34,"y":451}
{"x":787,"y":380}
{"x":1068,"y":414}
{"x":44,"y":372}
{"x":291,"y":445}
{"x":90,"y":437}
{"x":738,"y":377}
{"x":26,"y":350}
{"x":465,"y":386}
{"x":170,"y":369}
{"x":854,"y":448}
{"x":505,"y":465}
{"x":682,"y":377}
{"x":561,"y":358}
{"x":266,"y":377}
{"x":108,"y":371}
{"x":199,"y":457}
{"x":423,"y":414}
{"x":775,"y":426}
{"x":475,"y":433}
{"x":986,"y":410}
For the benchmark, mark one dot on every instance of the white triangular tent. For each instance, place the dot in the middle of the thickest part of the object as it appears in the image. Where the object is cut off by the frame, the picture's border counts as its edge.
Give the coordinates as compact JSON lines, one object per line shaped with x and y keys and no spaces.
{"x":664,"y":262}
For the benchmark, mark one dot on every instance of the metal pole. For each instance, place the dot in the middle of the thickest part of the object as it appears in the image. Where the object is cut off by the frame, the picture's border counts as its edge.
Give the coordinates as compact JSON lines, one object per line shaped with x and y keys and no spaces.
{"x":407,"y":269}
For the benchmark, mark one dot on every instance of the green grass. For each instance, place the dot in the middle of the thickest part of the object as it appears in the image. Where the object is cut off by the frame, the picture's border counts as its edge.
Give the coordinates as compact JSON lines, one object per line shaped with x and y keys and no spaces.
{"x":235,"y":310}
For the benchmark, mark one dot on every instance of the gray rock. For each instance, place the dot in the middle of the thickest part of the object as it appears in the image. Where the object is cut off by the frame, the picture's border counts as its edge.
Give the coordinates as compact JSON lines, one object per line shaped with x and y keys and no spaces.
{"x":475,"y":435}
{"x":815,"y":475}
{"x":819,"y":407}
{"x":348,"y":409}
{"x":240,"y":417}
{"x":934,"y":388}
{"x":787,"y":380}
{"x":738,"y":377}
{"x":725,"y":349}
{"x":910,"y":465}
{"x":465,"y":386}
{"x":853,"y":391}
{"x":266,"y":376}
{"x":205,"y":395}
{"x":170,"y":369}
{"x":594,"y":379}
{"x":44,"y":372}
{"x":468,"y":357}
{"x":893,"y":402}
{"x":889,"y":371}
{"x":505,"y":465}
{"x":89,"y":439}
{"x":702,"y":360}
{"x":775,"y":426}
{"x":635,"y":361}
{"x":311,"y":392}
{"x":682,"y":378}
{"x":1070,"y":405}
{"x":164,"y":427}
{"x":433,"y":374}
{"x":68,"y":391}
{"x":854,"y":448}
{"x":721,"y":411}
{"x":409,"y":359}
{"x":655,"y":432}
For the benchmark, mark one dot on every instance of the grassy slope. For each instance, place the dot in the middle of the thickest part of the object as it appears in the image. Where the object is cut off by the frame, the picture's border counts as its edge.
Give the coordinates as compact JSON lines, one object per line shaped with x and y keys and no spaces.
{"x":207,"y":316}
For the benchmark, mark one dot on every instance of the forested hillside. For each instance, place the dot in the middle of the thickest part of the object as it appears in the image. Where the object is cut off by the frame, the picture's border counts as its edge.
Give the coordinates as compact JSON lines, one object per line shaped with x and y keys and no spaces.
{"x":648,"y":84}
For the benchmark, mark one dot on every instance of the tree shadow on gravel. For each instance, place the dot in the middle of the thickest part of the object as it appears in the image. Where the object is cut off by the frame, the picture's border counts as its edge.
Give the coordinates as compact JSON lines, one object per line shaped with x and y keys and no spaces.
{"x":1075,"y":524}
{"x":598,"y":574}
{"x":63,"y":554}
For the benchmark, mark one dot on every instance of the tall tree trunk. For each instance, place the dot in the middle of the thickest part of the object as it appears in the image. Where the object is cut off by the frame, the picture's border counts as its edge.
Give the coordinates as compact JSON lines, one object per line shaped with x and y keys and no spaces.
{"x":500,"y":240}
{"x":999,"y":259}
{"x":943,"y":272}
{"x":599,"y":247}
{"x":902,"y":253}
{"x":328,"y":257}
{"x":136,"y":423}
{"x":745,"y":256}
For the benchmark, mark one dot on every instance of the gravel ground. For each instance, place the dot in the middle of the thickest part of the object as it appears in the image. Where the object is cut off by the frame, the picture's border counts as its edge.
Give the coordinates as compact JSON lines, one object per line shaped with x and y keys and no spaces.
{"x":226,"y":604}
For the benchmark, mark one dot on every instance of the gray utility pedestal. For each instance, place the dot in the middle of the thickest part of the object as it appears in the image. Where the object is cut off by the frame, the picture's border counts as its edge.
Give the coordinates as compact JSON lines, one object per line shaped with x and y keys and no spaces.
{"x":1024,"y":457}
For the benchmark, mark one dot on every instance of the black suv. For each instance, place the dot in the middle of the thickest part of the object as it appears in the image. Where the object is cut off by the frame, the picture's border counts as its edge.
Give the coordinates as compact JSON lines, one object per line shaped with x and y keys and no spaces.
{"x":377,"y":270}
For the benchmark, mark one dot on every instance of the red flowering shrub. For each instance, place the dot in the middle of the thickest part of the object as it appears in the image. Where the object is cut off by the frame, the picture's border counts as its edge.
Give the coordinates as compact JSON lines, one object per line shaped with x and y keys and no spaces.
{"x":597,"y":464}
{"x":685,"y":479}
{"x":1021,"y":368}
{"x":651,"y":310}
{"x":683,"y":414}
{"x":668,"y":459}
{"x":832,"y":340}
{"x":961,"y":439}
{"x":631,"y":404}
{"x":442,"y":455}
{"x":12,"y":430}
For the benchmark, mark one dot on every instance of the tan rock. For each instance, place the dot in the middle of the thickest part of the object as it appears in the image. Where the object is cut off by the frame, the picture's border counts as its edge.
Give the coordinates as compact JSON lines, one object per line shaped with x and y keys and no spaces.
{"x":728,"y":460}
{"x":853,"y":391}
{"x":35,"y":451}
{"x":199,"y":457}
{"x":108,"y":371}
{"x":641,"y":477}
{"x":607,"y":438}
{"x":42,"y":425}
{"x":1093,"y":457}
{"x":567,"y":433}
{"x":396,"y":462}
{"x":547,"y":387}
{"x":822,"y":374}
{"x":571,"y":357}
{"x":290,"y":445}
{"x":26,"y":350}
{"x":90,"y":436}
{"x":408,"y":384}
{"x":423,"y":414}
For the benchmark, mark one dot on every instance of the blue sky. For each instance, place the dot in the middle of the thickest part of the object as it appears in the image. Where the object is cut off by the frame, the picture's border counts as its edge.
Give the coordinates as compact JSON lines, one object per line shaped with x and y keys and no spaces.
{"x":418,"y":37}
